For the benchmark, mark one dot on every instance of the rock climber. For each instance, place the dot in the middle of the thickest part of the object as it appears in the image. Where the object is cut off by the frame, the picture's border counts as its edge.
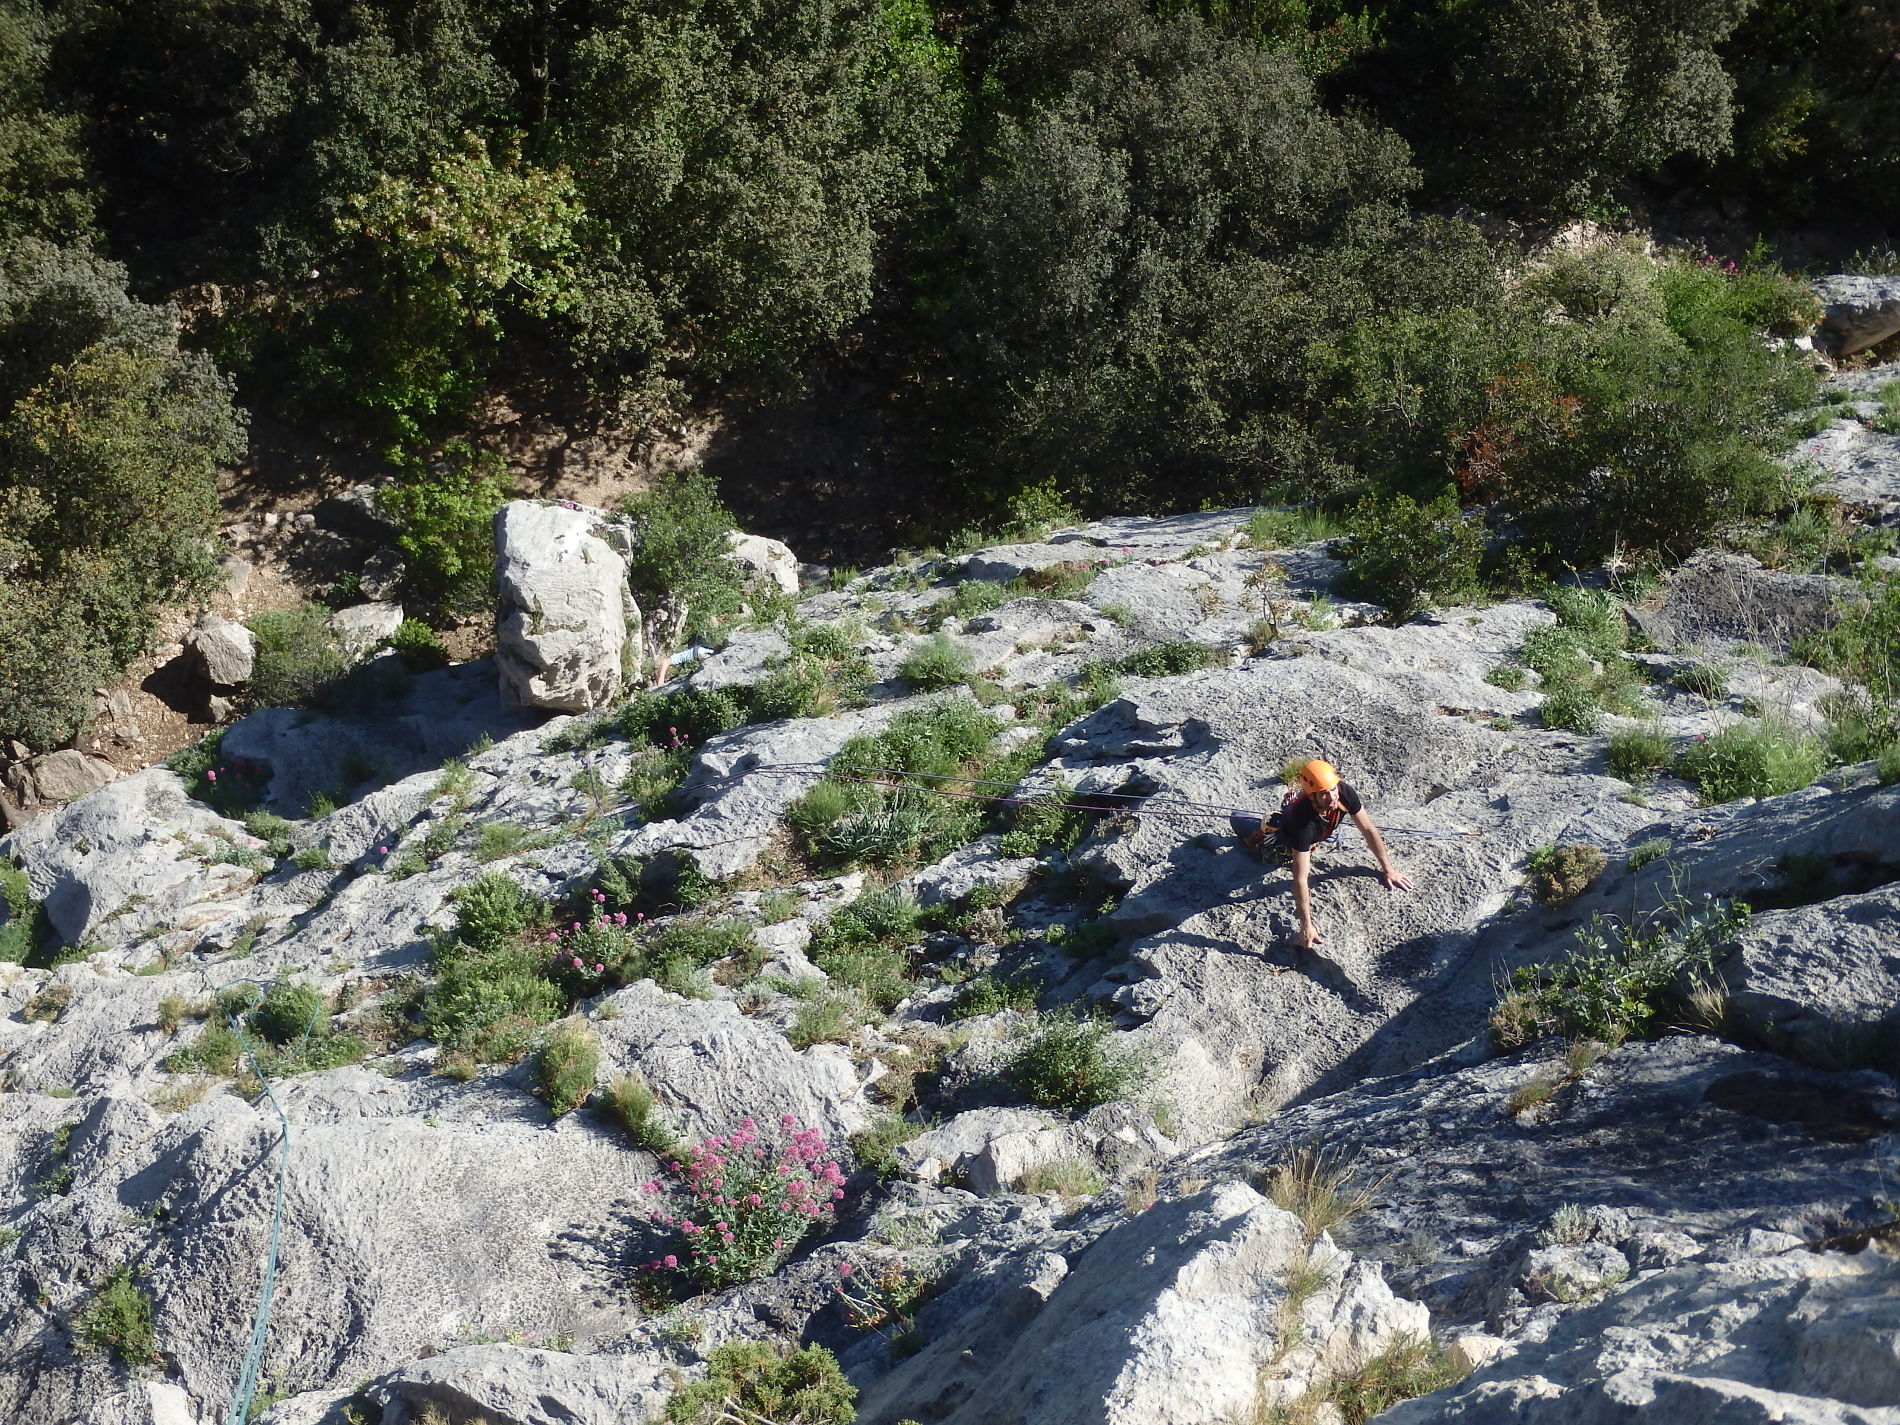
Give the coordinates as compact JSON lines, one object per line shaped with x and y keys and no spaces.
{"x":1309,"y":816}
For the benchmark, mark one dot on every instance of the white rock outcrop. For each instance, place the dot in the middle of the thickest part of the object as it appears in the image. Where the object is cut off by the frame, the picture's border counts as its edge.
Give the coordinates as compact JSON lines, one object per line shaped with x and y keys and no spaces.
{"x":1858,"y":312}
{"x":768,"y":562}
{"x":563,"y":609}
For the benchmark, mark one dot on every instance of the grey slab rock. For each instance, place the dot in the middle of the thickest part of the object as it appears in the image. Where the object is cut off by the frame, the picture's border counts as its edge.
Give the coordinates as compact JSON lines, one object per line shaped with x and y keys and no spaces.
{"x":1805,"y":1339}
{"x":711,"y":1067}
{"x":1164,"y":1320}
{"x":57,"y":777}
{"x":358,"y":513}
{"x":1858,"y":312}
{"x":151,"y":1402}
{"x":517,"y":1385}
{"x":561,"y":621}
{"x":769,"y":563}
{"x":1858,"y":464}
{"x":363,"y":628}
{"x":222,"y":651}
{"x":989,"y":1149}
{"x":136,"y":852}
{"x":1822,"y":982}
{"x":416,"y":1215}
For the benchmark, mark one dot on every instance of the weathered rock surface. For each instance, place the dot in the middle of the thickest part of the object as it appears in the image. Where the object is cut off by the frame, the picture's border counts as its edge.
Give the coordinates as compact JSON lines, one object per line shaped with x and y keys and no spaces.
{"x":61,"y":776}
{"x":1858,"y":312}
{"x":363,"y":628}
{"x":768,"y":562}
{"x":562,"y":618}
{"x":1804,"y":1338}
{"x":429,"y":1218}
{"x":1729,"y":598}
{"x":223,"y":651}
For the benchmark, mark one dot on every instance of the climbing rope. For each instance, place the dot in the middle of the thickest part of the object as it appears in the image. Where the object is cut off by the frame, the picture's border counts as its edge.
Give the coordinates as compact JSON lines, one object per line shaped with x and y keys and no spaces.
{"x":246,"y":1385}
{"x":1130,"y":803}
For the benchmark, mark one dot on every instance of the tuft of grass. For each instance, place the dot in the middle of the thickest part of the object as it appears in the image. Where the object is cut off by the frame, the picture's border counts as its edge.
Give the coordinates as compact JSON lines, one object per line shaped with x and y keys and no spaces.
{"x":566,"y":1065}
{"x":1066,"y":1177}
{"x":1508,"y":676}
{"x":1535,"y":1094}
{"x":938,"y":663}
{"x":1323,"y":1187}
{"x":1752,"y":759}
{"x":992,"y":994}
{"x":630,"y":1103}
{"x":1703,"y":679}
{"x":750,"y":1381}
{"x":174,"y":1010}
{"x":1645,"y":852}
{"x":1637,"y":754}
{"x":830,"y":1018}
{"x":48,"y":1005}
{"x":1291,"y":529}
{"x":876,"y":1147}
{"x":312,"y":858}
{"x":1070,"y":1064}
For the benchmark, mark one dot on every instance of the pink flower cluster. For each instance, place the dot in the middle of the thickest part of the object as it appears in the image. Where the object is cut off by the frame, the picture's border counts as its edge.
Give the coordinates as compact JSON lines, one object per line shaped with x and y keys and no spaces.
{"x":747,"y":1201}
{"x":603,"y":939}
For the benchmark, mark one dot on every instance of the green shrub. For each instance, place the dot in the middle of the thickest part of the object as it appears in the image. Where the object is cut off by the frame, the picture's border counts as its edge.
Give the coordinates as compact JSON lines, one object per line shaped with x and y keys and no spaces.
{"x":312,"y":858}
{"x":876,"y":1147}
{"x":1620,"y":979}
{"x":289,"y":1011}
{"x":829,"y":1018}
{"x":493,"y":910}
{"x":1863,"y":647}
{"x":48,"y":1005}
{"x":1507,"y":676}
{"x":1408,"y":557}
{"x":1752,"y":759}
{"x":680,"y":552}
{"x":1405,"y":1369}
{"x":444,"y":507}
{"x":1071,"y":1064}
{"x":490,"y":1004}
{"x":19,"y":932}
{"x":566,"y":1065}
{"x":630,"y":1103}
{"x":973,"y":597}
{"x":1704,"y":680}
{"x":1654,"y":849}
{"x":421,"y":651}
{"x":1887,"y":764}
{"x":992,"y":994}
{"x":1163,"y":660}
{"x":119,"y":1320}
{"x":1046,"y":820}
{"x":1572,"y":706}
{"x":939,"y":663}
{"x":1636,"y":754}
{"x":298,"y":656}
{"x":803,"y":1388}
{"x":1887,"y":419}
{"x":1562,"y":873}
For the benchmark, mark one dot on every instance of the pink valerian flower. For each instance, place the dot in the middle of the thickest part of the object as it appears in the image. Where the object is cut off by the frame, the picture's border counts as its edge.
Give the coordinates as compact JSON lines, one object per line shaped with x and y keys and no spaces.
{"x":844,"y":1269}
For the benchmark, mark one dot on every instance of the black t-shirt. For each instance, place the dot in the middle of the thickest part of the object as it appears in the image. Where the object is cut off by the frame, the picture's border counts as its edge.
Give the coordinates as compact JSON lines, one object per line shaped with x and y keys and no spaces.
{"x":1302,"y":827}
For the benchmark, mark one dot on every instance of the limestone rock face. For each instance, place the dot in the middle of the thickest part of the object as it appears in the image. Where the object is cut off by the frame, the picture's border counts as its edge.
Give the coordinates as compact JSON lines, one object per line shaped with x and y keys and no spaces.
{"x":1730,"y":598}
{"x":516,"y":1385}
{"x":1822,"y":983}
{"x":1859,"y":312}
{"x":223,"y":651}
{"x":61,"y":776}
{"x":768,"y":562}
{"x":362,"y":628}
{"x":1805,"y":1339}
{"x":562,"y":611}
{"x":1165,"y":1320}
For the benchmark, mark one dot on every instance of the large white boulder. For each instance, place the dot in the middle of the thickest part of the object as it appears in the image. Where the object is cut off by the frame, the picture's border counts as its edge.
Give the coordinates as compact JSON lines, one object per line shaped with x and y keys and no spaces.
{"x":223,"y":651}
{"x":563,"y":608}
{"x":768,"y":562}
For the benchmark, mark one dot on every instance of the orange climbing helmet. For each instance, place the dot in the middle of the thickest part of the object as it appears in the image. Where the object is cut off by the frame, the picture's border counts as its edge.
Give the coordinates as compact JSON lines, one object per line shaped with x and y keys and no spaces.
{"x":1318,"y":776}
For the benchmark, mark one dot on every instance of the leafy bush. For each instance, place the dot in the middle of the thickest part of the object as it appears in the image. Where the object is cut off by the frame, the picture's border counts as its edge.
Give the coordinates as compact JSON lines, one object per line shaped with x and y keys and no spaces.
{"x":863,"y":945}
{"x":972,"y":597}
{"x":19,"y":932}
{"x":992,"y":994}
{"x":289,"y":1011}
{"x":1621,"y":979}
{"x":680,"y":561}
{"x":939,"y":663}
{"x":1507,"y":676}
{"x":1408,"y":556}
{"x":110,"y":437}
{"x":1562,"y":873}
{"x":1752,"y":759}
{"x":1636,"y":754}
{"x":566,"y":1065}
{"x":445,"y":508}
{"x":1048,"y":819}
{"x":493,"y":910}
{"x":1071,"y":1064}
{"x":1863,"y":647}
{"x":1166,"y":660}
{"x":737,"y":1214}
{"x":298,"y":657}
{"x":421,"y":651}
{"x":805,"y":1387}
{"x":119,"y":1320}
{"x":829,"y":1018}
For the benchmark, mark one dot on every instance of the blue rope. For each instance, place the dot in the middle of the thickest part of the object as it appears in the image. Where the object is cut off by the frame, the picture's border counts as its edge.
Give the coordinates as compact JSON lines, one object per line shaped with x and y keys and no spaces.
{"x":246,"y":1386}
